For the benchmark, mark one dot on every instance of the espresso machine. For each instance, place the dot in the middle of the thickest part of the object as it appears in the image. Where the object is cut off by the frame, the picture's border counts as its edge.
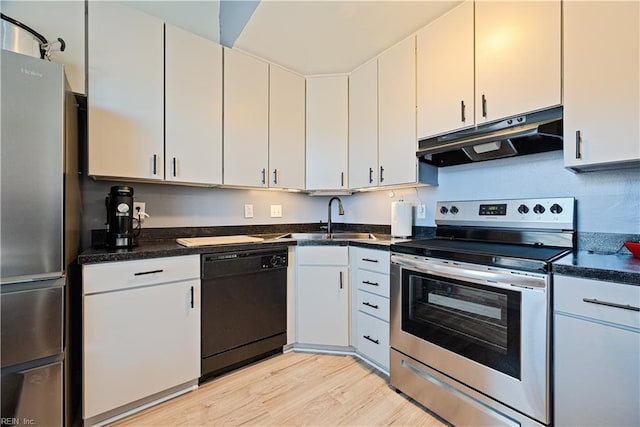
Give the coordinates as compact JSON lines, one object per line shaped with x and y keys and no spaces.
{"x":119,"y":202}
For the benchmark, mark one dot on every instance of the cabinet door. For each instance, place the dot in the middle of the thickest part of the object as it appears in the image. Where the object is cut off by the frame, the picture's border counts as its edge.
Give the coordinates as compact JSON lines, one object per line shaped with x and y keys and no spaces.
{"x":601,"y":83}
{"x":323,"y":305}
{"x":596,"y":374}
{"x":193,"y":108}
{"x":327,"y":133}
{"x":125,"y":92}
{"x":246,"y":120}
{"x":518,"y":57}
{"x":397,"y":114}
{"x":445,"y":73}
{"x":134,"y":349}
{"x":286,"y":129}
{"x":363,"y":126}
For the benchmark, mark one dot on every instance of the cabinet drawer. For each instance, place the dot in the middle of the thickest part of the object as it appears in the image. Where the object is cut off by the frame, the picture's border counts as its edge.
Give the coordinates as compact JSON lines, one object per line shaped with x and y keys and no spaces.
{"x":323,"y":255}
{"x":571,"y":293}
{"x":377,"y":283}
{"x":373,"y":339}
{"x":110,"y":276}
{"x":372,"y":259}
{"x":374,"y":305}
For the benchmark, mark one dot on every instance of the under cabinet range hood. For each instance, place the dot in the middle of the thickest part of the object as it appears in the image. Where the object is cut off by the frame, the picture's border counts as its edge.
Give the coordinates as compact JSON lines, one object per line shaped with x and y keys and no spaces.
{"x":519,"y":135}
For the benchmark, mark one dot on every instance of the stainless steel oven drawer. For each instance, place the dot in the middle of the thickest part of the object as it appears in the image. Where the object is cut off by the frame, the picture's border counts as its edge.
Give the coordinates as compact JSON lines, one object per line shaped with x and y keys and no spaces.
{"x":456,"y":403}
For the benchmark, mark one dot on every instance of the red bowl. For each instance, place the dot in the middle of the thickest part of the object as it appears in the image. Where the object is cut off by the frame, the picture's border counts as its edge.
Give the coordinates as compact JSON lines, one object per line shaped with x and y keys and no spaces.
{"x":634,"y":248}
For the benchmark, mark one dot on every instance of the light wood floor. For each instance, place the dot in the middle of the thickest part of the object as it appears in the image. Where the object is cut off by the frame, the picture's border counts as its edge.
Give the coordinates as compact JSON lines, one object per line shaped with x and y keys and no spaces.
{"x":292,"y":389}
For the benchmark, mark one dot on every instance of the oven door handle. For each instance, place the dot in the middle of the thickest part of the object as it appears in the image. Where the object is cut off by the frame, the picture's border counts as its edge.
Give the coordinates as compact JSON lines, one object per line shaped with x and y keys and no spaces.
{"x":463,"y":273}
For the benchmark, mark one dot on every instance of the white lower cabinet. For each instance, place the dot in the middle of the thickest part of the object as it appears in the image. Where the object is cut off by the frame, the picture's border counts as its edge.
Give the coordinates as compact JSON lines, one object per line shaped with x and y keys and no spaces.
{"x":597,"y":353}
{"x":323,"y":295}
{"x":370,"y":304}
{"x":141,"y":332}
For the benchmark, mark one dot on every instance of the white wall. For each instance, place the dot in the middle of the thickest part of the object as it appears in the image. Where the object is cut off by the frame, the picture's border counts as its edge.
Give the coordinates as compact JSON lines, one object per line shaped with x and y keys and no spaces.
{"x":607,"y":201}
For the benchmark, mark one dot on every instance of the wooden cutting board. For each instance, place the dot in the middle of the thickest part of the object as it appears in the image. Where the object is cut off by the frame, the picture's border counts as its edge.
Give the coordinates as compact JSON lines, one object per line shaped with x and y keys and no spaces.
{"x":217,"y":240}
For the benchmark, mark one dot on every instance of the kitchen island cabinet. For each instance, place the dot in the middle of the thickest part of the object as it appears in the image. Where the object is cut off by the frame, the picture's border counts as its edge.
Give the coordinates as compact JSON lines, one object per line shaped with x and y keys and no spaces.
{"x":601,"y":84}
{"x":323,"y":296}
{"x":596,"y":352}
{"x":141,"y":333}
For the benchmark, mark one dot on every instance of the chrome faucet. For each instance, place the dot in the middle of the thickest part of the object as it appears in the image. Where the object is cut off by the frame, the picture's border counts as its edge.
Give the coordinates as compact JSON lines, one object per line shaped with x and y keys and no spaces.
{"x":340,"y":212}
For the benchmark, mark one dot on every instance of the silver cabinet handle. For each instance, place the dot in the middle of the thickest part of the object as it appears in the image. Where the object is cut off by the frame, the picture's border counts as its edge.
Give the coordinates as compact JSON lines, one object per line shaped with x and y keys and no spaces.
{"x":264,"y":176}
{"x":341,"y":280}
{"x":175,"y":167}
{"x":367,"y":337}
{"x":275,"y":176}
{"x":368,"y":304}
{"x":611,"y":304}
{"x":578,"y":144}
{"x":462,"y":115}
{"x":484,"y":106}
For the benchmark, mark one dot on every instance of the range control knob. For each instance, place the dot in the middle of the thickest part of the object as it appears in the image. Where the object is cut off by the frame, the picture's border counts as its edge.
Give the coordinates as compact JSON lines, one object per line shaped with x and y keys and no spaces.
{"x":555,"y":208}
{"x":444,"y":210}
{"x":539,"y":209}
{"x":454,"y":210}
{"x":523,"y":209}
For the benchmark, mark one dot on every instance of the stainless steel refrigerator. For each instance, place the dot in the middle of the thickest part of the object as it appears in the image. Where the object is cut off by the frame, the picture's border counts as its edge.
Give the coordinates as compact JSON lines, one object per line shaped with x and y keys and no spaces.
{"x":39,"y":235}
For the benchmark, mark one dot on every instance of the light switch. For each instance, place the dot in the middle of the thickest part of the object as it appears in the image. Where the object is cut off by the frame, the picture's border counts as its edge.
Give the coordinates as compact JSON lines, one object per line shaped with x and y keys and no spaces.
{"x":248,"y":211}
{"x":276,"y":211}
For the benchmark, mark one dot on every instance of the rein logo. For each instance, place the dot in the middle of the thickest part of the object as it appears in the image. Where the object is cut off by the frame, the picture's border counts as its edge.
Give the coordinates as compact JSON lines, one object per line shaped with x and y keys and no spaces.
{"x":16,"y":421}
{"x":29,"y":72}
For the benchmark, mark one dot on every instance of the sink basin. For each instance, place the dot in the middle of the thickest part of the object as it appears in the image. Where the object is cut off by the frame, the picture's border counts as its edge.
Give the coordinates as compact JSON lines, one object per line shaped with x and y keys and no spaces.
{"x":325,"y":236}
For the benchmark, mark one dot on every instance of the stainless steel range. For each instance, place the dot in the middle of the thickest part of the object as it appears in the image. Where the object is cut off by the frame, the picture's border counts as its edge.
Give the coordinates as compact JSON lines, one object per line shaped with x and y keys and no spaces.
{"x":470,"y":310}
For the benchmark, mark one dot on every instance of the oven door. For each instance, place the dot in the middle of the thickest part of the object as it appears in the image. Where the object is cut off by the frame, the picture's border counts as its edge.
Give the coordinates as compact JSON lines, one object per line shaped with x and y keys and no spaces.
{"x":485,"y":327}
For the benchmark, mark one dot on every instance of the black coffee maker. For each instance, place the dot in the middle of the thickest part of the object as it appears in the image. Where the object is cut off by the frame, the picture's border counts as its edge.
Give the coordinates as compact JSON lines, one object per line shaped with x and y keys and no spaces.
{"x":119,"y":204}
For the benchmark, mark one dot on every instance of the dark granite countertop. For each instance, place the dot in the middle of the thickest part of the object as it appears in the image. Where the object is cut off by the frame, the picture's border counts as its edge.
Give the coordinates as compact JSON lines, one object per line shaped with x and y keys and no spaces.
{"x":621,"y":268}
{"x":169,"y":247}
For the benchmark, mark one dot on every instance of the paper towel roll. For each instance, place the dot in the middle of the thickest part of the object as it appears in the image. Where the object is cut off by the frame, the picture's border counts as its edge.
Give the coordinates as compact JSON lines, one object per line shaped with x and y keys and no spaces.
{"x":401,"y":219}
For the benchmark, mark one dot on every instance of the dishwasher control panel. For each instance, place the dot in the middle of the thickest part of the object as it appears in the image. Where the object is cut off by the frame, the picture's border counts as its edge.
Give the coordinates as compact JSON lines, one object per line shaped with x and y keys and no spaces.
{"x":274,"y":261}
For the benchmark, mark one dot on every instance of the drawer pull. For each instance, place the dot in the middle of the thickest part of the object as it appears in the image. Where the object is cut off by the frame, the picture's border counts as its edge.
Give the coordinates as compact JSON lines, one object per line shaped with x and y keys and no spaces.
{"x":144,"y":273}
{"x":192,"y":297}
{"x":611,"y":304}
{"x":367,"y":337}
{"x":366,"y":282}
{"x":368,"y":304}
{"x":370,"y":260}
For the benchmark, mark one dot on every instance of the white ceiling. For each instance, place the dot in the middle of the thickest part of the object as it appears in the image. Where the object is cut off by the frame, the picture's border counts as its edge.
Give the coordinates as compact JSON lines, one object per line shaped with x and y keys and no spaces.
{"x":329,"y":36}
{"x":308,"y":36}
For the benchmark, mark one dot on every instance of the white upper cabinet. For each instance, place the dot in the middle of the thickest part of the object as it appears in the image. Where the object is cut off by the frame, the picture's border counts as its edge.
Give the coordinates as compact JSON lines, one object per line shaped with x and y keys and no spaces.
{"x":445,"y":73}
{"x":601,"y":84}
{"x":518,"y":57}
{"x":125,"y":93}
{"x":286,"y":129}
{"x":363,"y":126}
{"x":327,"y":133}
{"x":397,"y":142}
{"x":193,"y":105}
{"x":246,"y":120}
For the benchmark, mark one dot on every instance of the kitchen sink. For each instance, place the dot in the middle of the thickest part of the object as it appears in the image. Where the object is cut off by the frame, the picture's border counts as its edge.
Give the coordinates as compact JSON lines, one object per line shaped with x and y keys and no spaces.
{"x":325,"y":236}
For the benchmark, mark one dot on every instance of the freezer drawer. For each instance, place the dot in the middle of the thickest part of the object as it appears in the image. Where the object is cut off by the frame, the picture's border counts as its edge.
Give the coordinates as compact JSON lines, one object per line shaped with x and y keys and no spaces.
{"x":32,"y":323}
{"x":33,"y":395}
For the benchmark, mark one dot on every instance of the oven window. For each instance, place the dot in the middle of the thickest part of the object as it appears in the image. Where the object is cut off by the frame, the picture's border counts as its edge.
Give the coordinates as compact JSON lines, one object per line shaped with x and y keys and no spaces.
{"x":481,"y":323}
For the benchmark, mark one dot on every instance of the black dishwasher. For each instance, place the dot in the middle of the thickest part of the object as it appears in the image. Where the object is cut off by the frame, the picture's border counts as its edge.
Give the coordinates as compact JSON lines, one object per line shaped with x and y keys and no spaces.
{"x":244,"y":308}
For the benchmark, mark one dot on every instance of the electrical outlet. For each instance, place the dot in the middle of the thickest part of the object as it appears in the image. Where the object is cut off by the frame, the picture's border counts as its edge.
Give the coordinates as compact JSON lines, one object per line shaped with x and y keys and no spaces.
{"x":421,"y":211}
{"x":140,"y":210}
{"x":276,"y":211}
{"x":248,"y":211}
